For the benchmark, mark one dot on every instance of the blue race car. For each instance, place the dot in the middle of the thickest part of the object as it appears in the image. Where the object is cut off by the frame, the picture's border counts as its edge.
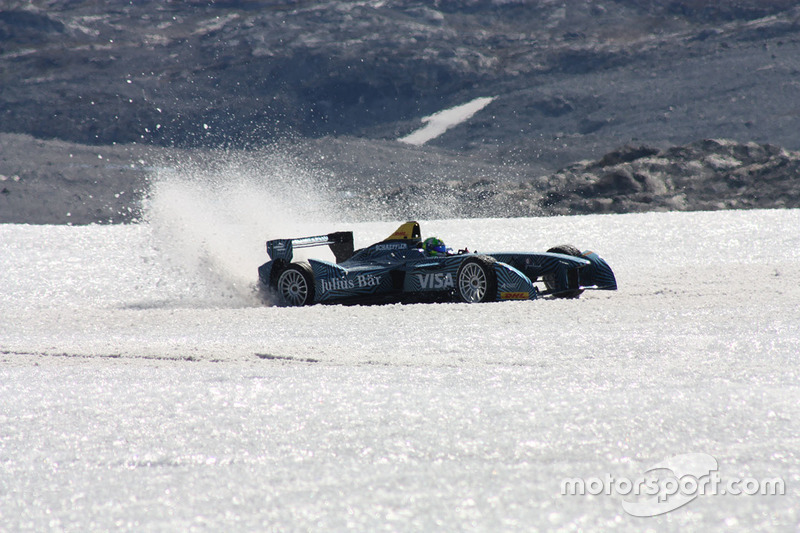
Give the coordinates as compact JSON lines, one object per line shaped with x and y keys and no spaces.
{"x":404,"y":268}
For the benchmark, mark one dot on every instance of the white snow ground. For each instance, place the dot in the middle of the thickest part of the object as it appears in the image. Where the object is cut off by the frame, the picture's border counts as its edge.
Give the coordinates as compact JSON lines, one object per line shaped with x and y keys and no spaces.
{"x":142,"y":387}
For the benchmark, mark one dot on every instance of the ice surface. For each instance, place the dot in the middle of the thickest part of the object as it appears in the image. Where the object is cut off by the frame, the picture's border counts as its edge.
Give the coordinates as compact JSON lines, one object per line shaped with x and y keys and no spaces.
{"x":143,"y":387}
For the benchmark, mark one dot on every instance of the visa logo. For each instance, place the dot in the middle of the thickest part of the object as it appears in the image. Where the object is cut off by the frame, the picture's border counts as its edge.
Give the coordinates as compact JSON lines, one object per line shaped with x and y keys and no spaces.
{"x":437,"y":280}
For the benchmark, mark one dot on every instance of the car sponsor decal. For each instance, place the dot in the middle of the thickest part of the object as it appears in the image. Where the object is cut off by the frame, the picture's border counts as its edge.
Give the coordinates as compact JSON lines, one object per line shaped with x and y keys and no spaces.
{"x":357,"y":282}
{"x":367,"y":280}
{"x":515,"y":295}
{"x":436,"y":280}
{"x":391,"y":246}
{"x":531,"y":264}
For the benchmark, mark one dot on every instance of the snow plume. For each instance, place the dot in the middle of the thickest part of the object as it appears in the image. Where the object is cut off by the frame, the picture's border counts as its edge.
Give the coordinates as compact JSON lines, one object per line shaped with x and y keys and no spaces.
{"x":210,"y":216}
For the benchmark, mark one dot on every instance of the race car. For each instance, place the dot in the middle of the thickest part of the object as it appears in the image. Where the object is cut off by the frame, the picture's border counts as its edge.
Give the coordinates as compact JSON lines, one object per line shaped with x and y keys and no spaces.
{"x":404,"y":268}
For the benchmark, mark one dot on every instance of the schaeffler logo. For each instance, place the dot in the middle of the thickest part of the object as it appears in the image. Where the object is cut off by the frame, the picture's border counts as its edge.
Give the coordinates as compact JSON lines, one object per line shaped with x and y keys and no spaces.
{"x":690,"y":475}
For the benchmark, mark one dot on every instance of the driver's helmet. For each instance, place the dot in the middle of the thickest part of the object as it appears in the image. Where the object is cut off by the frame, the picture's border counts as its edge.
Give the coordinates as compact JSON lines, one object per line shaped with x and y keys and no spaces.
{"x":434,"y":246}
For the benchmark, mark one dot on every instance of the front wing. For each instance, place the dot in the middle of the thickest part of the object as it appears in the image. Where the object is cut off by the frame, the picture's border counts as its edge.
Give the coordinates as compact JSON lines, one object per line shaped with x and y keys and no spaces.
{"x":592,"y":271}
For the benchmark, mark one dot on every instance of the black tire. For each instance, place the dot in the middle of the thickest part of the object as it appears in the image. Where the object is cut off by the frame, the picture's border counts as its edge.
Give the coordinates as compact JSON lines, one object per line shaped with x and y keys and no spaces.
{"x":294,"y":286}
{"x":476,"y":280}
{"x":572,"y":275}
{"x":566,"y":249}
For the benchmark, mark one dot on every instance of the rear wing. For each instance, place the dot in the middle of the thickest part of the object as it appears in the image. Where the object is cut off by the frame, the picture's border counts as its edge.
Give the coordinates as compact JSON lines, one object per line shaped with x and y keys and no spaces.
{"x":340,"y":242}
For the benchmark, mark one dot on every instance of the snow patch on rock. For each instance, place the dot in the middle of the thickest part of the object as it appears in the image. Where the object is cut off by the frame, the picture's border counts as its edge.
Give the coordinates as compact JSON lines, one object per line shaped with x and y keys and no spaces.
{"x":442,"y":121}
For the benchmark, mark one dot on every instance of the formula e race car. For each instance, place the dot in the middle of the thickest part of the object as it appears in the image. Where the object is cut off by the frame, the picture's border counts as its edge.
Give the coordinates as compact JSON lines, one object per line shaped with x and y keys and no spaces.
{"x":403,"y":268}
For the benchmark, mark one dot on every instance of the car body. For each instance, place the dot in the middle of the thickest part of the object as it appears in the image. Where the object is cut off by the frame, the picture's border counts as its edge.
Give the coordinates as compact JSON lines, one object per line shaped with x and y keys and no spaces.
{"x":397,"y":269}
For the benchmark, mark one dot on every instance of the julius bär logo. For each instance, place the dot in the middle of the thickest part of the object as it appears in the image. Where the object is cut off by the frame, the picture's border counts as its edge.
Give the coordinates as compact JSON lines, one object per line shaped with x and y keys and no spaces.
{"x":342,"y":284}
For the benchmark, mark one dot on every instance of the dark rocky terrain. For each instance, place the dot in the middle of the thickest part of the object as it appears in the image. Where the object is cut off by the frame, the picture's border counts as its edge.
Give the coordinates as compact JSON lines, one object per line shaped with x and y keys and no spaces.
{"x":339,"y":82}
{"x":705,"y":175}
{"x":58,"y":182}
{"x":79,"y":184}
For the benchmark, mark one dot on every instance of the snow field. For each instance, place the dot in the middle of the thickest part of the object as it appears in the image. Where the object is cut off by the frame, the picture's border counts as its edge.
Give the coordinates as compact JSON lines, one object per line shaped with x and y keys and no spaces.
{"x":144,"y":388}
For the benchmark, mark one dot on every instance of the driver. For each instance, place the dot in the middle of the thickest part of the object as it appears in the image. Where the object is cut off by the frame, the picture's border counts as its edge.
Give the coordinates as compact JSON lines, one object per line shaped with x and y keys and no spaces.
{"x":433,"y":247}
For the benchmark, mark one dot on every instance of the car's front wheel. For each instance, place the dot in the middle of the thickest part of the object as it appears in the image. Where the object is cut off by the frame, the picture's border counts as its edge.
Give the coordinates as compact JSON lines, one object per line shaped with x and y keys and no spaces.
{"x":476,"y":280}
{"x":572,"y":290}
{"x":295,"y":285}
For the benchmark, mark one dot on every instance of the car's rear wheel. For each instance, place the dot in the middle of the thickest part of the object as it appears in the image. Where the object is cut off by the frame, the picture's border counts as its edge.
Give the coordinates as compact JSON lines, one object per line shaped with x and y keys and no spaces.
{"x":295,"y":285}
{"x":476,"y":280}
{"x":572,"y":275}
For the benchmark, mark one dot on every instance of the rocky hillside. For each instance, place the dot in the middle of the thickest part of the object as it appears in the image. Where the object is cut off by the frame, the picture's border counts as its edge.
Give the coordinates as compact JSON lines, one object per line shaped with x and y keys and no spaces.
{"x":338,"y":82}
{"x":572,"y":78}
{"x":704,"y":175}
{"x":67,"y":183}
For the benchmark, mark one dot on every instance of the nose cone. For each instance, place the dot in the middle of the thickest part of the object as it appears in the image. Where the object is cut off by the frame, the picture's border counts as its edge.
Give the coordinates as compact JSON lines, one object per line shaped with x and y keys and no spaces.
{"x":597,"y":273}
